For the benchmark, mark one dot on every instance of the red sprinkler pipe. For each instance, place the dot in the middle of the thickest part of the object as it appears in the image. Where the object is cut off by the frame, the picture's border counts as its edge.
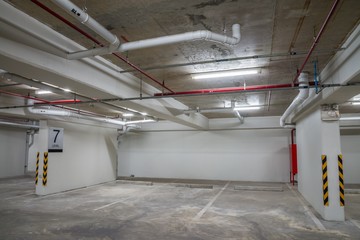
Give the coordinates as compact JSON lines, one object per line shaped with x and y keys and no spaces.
{"x":51,"y":102}
{"x":227,"y":90}
{"x":66,"y":101}
{"x":61,"y":18}
{"x":317,"y":39}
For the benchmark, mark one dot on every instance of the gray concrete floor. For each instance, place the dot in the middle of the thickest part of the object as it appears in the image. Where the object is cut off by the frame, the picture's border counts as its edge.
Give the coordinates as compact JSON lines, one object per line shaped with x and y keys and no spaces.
{"x":132,"y":210}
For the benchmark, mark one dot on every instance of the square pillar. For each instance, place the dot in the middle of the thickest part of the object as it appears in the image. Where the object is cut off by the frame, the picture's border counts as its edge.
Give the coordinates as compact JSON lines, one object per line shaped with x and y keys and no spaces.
{"x":319,"y":144}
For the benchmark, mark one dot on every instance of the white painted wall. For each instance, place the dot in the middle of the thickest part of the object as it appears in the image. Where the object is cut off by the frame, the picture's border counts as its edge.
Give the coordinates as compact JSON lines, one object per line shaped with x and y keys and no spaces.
{"x":248,"y":155}
{"x":12,"y":151}
{"x":89,"y":157}
{"x":350,"y":147}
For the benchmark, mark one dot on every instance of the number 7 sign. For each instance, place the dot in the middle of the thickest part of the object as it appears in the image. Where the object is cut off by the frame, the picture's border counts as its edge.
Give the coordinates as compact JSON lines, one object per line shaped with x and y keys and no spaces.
{"x":55,"y":140}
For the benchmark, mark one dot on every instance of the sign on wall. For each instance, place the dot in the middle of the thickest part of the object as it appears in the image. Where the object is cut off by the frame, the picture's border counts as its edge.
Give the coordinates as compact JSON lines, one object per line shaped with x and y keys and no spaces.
{"x":55,"y":142}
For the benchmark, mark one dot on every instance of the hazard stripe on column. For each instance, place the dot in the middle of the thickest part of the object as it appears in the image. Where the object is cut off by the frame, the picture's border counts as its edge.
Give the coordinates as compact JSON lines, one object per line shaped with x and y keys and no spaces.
{"x":325,"y":180}
{"x":45,"y":167}
{"x":37,"y":167}
{"x":341,"y":180}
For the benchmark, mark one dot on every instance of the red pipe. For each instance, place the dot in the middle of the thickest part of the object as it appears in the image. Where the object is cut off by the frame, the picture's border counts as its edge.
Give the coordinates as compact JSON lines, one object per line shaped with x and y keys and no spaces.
{"x":50,"y":102}
{"x":66,"y":101}
{"x":317,"y":39}
{"x":292,"y":135}
{"x":227,"y":90}
{"x":61,"y":18}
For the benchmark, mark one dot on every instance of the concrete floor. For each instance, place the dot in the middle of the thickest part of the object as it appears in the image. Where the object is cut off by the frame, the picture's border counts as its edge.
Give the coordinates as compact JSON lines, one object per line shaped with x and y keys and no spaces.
{"x":134,"y":210}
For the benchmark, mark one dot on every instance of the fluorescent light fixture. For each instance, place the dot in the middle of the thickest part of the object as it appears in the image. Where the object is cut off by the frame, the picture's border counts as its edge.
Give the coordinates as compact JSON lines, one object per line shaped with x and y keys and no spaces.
{"x":42,"y":92}
{"x":228,"y":73}
{"x":66,"y":90}
{"x":349,"y":118}
{"x":128,"y":114}
{"x":141,"y":121}
{"x":144,"y":113}
{"x":355,"y":103}
{"x":246,"y":108}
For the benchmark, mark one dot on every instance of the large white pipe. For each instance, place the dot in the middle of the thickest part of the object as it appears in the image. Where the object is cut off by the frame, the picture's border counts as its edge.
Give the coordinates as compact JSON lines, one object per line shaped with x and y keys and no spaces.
{"x":183,"y":37}
{"x":85,"y":19}
{"x":115,"y":46}
{"x":300,"y":98}
{"x":165,"y":40}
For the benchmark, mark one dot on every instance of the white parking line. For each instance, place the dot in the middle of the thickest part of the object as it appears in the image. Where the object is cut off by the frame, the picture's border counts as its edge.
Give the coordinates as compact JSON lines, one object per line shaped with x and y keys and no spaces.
{"x":19,"y":196}
{"x":307,"y":210}
{"x":356,"y":223}
{"x":107,"y":205}
{"x":201,"y":213}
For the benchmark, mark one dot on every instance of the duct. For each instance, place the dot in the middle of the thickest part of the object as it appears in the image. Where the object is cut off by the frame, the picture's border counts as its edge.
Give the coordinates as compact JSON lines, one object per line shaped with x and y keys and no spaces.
{"x":300,"y":98}
{"x":115,"y":46}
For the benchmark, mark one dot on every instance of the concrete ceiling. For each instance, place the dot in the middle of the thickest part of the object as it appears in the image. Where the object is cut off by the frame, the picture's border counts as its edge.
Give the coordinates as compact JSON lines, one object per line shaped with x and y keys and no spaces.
{"x":276,"y":36}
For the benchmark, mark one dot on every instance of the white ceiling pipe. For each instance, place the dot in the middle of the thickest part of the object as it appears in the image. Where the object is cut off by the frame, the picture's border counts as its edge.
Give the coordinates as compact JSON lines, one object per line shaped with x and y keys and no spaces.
{"x":183,"y":37}
{"x":300,"y":98}
{"x":19,"y":125}
{"x":115,"y":46}
{"x":85,"y":19}
{"x":165,"y":40}
{"x":62,"y":113}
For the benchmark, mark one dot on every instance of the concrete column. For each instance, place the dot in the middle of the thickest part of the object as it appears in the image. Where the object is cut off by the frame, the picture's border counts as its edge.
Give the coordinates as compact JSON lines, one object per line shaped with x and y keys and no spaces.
{"x":315,"y":138}
{"x":42,"y":147}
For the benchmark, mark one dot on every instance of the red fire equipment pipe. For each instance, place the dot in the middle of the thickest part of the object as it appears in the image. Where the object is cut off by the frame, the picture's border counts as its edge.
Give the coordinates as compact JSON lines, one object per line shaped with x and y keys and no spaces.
{"x":61,"y":18}
{"x":317,"y":39}
{"x":66,"y":101}
{"x":227,"y":90}
{"x":52,"y":103}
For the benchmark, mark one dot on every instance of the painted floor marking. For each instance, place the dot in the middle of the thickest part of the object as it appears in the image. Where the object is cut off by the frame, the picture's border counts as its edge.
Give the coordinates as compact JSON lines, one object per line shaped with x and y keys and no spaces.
{"x":107,"y":205}
{"x":356,"y":223}
{"x":201,"y":213}
{"x":19,"y":196}
{"x":307,"y":210}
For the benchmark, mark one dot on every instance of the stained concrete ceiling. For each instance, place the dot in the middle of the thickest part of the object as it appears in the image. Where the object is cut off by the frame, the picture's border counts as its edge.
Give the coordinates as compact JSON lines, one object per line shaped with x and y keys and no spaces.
{"x":276,"y":36}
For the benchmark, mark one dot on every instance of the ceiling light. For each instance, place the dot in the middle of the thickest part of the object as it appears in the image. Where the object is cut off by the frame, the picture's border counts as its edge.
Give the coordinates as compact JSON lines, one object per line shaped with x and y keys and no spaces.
{"x":140,"y":121}
{"x":42,"y":92}
{"x":355,"y":103}
{"x":66,"y":90}
{"x":246,"y":108}
{"x":228,"y":73}
{"x":144,"y":113}
{"x":128,"y":114}
{"x":349,"y":118}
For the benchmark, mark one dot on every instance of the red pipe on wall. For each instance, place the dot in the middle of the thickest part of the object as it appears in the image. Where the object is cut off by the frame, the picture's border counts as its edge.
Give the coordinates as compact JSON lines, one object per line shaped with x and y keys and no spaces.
{"x":64,"y":20}
{"x":316,"y":39}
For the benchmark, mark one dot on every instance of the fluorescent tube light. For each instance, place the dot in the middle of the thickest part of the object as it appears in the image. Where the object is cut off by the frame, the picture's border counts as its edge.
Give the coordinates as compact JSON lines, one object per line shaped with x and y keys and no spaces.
{"x":349,"y":118}
{"x":128,"y":114}
{"x":355,"y":103}
{"x":246,"y":108}
{"x":66,"y":90}
{"x":140,"y":121}
{"x":228,"y":73}
{"x":42,"y":92}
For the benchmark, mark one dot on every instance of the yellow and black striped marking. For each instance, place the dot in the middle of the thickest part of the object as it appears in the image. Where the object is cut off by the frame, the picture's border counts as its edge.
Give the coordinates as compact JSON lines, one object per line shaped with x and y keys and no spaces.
{"x":325,"y":180}
{"x":341,"y":180}
{"x":37,"y":167}
{"x":45,"y":167}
